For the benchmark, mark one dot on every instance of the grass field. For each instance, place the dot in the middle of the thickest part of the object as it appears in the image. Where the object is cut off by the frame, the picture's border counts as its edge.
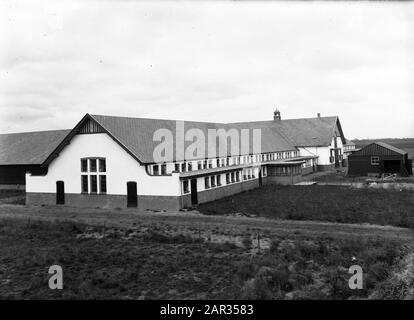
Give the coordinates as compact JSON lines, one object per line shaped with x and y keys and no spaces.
{"x":124,"y":254}
{"x":129,"y":263}
{"x":321,"y":203}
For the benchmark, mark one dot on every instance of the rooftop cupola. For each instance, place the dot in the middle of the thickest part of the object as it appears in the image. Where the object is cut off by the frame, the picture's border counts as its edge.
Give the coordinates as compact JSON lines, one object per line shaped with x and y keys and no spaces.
{"x":276,"y":115}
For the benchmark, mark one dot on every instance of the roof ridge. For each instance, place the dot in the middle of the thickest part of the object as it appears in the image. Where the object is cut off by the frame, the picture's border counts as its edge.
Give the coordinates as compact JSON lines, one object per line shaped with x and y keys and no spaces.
{"x":40,"y":131}
{"x":155,"y":119}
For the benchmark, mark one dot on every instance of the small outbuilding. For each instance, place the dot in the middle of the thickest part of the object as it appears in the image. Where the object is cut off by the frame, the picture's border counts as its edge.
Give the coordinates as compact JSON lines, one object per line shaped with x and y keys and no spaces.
{"x":379,"y":158}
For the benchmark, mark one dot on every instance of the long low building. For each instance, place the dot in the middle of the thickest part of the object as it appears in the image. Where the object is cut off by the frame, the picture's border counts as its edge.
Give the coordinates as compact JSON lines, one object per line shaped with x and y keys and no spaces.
{"x":107,"y":161}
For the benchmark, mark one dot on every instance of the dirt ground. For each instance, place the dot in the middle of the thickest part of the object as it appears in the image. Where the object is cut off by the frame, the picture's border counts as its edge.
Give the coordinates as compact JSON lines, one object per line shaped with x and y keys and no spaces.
{"x":197,"y":223}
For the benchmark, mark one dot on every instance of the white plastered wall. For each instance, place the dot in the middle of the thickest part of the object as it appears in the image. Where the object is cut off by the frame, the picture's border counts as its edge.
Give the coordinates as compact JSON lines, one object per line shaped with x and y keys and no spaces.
{"x":121,"y":167}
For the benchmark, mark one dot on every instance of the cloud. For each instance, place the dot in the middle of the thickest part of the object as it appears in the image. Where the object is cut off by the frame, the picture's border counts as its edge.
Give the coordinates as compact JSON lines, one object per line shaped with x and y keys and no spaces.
{"x":209,"y":61}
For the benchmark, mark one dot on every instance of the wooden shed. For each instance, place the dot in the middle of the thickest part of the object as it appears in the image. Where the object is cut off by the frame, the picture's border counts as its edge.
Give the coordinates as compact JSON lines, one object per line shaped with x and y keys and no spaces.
{"x":378,"y":158}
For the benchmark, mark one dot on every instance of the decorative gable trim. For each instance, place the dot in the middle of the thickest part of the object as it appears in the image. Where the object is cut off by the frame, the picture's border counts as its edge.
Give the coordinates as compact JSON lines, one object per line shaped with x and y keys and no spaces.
{"x":86,"y":125}
{"x":90,"y":126}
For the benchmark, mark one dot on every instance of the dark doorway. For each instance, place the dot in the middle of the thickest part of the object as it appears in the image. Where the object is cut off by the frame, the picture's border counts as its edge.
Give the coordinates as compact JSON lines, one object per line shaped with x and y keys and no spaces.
{"x":392,"y":166}
{"x":260,"y":178}
{"x":132,"y":197}
{"x":194,"y":196}
{"x":60,"y":192}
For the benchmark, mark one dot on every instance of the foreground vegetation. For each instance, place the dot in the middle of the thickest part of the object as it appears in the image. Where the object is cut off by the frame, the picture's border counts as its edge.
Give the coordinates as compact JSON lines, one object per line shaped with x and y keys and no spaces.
{"x":148,"y":263}
{"x":321,"y":203}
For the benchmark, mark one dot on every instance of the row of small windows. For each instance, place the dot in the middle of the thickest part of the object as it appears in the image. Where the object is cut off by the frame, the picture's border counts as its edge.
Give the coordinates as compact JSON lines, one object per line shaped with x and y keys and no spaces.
{"x":161,"y":169}
{"x":93,"y":177}
{"x":284,"y":171}
{"x":213,"y":181}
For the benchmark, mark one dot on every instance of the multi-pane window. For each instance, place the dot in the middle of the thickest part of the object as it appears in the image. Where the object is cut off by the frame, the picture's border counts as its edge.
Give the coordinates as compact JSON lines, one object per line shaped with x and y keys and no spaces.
{"x":190,"y":166}
{"x":375,"y":161}
{"x":218,"y":180}
{"x":206,"y":182}
{"x":163,"y":169}
{"x":238,"y":176}
{"x":93,"y":177}
{"x":227,"y":178}
{"x":176,"y":167}
{"x":199,"y":165}
{"x":218,"y":163}
{"x":156,"y":170}
{"x":210,"y":164}
{"x":183,"y":167}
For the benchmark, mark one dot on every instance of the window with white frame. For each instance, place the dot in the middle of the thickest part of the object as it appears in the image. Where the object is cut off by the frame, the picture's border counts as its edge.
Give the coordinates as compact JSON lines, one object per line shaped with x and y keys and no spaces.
{"x":93,"y":175}
{"x":375,"y":161}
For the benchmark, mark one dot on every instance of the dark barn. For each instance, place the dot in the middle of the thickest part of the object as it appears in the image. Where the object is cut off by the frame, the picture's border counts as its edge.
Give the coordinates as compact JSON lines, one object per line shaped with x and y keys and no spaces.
{"x":378,"y":158}
{"x":25,"y":152}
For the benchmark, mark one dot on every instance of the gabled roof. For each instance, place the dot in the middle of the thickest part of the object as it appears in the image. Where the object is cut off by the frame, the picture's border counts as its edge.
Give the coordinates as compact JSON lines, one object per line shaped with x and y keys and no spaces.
{"x":135,"y":135}
{"x":377,"y":149}
{"x":390,"y":147}
{"x":308,"y":132}
{"x":29,"y":148}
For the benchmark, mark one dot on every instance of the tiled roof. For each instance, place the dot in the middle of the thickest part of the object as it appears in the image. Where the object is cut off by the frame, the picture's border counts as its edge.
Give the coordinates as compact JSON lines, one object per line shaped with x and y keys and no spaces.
{"x":301,"y":132}
{"x":136,"y":134}
{"x":29,"y":147}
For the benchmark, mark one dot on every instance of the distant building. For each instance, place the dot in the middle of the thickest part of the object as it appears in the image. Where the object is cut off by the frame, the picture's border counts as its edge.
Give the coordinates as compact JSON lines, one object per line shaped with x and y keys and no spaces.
{"x":378,"y":158}
{"x":349,"y":148}
{"x":107,"y":161}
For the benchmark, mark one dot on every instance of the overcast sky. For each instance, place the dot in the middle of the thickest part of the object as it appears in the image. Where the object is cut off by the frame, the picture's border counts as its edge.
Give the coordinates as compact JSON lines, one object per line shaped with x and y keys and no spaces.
{"x":208,"y":61}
